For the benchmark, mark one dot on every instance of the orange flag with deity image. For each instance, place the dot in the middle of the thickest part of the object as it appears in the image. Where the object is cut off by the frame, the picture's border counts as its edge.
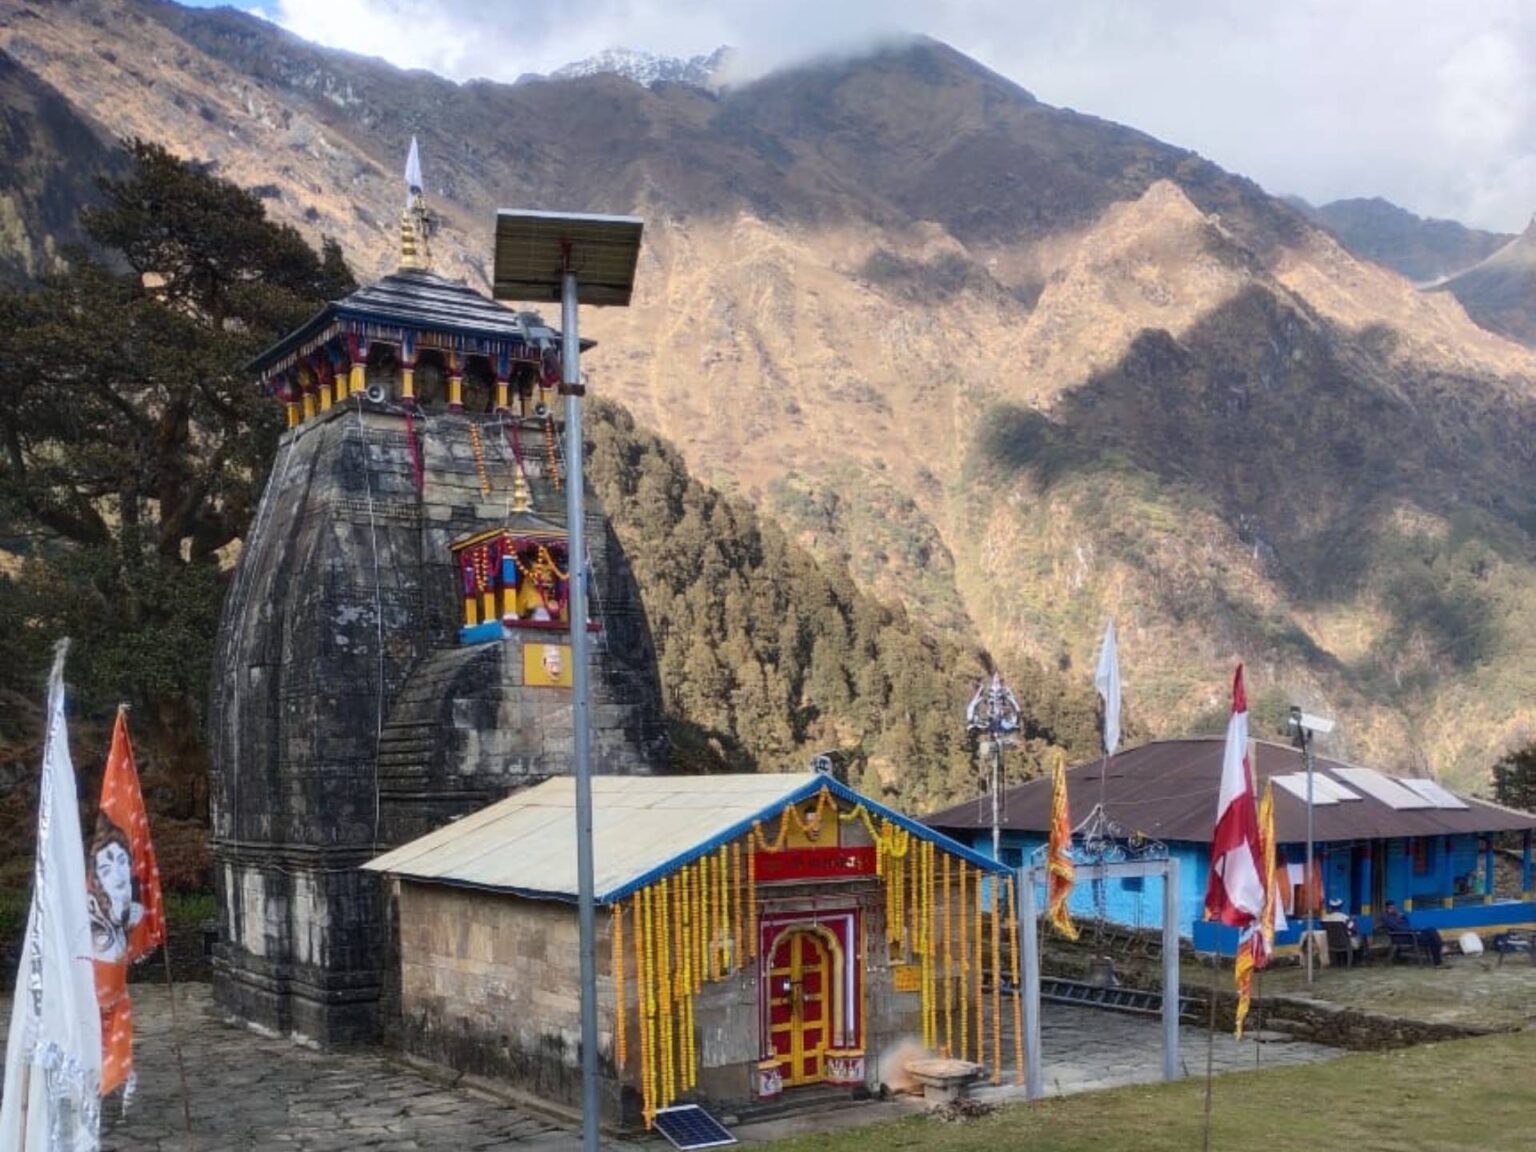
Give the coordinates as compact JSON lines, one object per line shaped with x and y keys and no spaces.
{"x":127,"y":917}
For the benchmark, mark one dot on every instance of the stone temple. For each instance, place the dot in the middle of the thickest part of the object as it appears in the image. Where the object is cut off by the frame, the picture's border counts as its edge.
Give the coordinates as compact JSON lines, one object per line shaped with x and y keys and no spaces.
{"x":394,"y":651}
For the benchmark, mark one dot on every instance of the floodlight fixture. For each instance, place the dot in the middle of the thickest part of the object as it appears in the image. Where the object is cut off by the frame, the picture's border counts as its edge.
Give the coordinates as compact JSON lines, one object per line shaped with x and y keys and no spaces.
{"x":575,"y":258}
{"x":1306,"y":722}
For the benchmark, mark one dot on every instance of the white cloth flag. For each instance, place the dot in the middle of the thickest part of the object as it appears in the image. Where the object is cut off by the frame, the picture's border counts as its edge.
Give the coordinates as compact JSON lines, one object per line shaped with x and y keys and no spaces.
{"x":1107,"y":681}
{"x":412,"y":172}
{"x":52,"y":1095}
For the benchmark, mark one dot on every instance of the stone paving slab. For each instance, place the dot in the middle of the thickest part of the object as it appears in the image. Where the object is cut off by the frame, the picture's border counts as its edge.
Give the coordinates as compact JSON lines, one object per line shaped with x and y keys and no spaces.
{"x":1087,"y":1049}
{"x":252,"y":1092}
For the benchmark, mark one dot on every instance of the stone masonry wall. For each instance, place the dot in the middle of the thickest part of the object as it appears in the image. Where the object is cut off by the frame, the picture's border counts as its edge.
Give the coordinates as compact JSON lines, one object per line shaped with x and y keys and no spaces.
{"x":345,"y":717}
{"x":489,"y":986}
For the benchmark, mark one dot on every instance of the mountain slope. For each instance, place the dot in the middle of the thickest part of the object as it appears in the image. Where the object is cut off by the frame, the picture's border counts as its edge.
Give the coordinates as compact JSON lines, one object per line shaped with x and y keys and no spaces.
{"x":1500,"y":292}
{"x":1418,"y":248}
{"x":1019,"y":368}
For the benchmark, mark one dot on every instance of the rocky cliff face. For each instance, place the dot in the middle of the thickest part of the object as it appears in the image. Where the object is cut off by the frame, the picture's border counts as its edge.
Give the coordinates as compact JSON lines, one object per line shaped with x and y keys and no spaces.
{"x":49,"y":157}
{"x":1022,"y":368}
{"x":347,"y":717}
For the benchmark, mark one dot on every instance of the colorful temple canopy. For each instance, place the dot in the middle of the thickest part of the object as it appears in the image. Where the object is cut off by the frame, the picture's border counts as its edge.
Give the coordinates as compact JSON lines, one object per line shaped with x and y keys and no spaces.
{"x":413,"y":311}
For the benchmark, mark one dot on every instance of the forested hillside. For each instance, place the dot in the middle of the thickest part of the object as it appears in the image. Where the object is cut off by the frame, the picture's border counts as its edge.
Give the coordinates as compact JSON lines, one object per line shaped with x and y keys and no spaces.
{"x":768,"y":656}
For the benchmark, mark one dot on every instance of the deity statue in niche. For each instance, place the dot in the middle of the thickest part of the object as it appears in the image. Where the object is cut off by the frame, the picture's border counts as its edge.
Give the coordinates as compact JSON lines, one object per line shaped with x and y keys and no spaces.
{"x":541,"y":586}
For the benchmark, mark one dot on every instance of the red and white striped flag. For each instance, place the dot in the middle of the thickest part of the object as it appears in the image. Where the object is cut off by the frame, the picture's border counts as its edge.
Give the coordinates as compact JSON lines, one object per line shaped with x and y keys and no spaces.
{"x":1234,"y":894}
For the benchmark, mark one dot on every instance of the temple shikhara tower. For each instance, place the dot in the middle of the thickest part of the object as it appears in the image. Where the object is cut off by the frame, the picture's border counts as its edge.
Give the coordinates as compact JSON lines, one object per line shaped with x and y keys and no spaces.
{"x":394,"y":651}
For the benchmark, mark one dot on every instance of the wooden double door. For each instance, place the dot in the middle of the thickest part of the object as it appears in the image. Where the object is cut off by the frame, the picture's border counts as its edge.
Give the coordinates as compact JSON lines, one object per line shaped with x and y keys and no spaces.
{"x":801,"y":981}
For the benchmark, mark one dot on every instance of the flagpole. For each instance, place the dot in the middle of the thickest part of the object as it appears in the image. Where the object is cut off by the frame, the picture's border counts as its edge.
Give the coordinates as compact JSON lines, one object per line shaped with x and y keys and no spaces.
{"x":1210,"y":1053}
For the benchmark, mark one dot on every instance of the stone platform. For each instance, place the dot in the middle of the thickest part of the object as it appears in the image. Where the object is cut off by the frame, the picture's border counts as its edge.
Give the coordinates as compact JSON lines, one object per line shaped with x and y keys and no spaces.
{"x":250,"y":1092}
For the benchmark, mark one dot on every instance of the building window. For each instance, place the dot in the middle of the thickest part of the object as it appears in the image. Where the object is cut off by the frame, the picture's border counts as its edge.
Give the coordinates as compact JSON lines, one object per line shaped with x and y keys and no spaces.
{"x":1421,"y":846}
{"x":1132,"y":883}
{"x":1013,"y":857}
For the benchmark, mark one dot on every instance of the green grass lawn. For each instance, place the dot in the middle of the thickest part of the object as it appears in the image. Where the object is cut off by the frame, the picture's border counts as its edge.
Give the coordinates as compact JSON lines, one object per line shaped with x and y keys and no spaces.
{"x":1465,"y":1094}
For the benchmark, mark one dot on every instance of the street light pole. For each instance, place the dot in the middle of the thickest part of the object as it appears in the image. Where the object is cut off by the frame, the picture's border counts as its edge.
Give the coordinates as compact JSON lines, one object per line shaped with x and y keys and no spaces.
{"x":576,"y":565}
{"x":538,"y":256}
{"x":1309,"y":763}
{"x":1306,"y":728}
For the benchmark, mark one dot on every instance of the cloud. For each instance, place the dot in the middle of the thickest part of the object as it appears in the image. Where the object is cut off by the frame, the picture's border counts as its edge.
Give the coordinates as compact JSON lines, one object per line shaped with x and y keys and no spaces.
{"x":1421,"y":101}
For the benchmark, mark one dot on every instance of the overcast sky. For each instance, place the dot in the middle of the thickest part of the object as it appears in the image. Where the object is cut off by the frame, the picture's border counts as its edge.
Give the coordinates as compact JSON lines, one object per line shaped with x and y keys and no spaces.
{"x":1429,"y":103}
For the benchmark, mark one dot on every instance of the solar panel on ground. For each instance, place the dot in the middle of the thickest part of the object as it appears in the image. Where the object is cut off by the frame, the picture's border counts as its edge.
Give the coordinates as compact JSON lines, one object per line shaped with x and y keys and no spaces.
{"x":1436,"y":795}
{"x":1389,"y":791}
{"x":688,"y":1126}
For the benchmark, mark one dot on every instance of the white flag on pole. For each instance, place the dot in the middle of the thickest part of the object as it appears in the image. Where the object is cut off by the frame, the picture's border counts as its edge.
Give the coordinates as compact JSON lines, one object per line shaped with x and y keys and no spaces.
{"x":412,"y":172}
{"x":52,"y":1095}
{"x":1107,"y":681}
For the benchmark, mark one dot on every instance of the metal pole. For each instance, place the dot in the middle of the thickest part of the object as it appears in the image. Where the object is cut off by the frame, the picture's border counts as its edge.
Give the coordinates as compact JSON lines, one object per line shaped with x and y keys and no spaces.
{"x":1171,"y":970}
{"x":1311,"y":940}
{"x":1034,"y":1077}
{"x":576,"y":565}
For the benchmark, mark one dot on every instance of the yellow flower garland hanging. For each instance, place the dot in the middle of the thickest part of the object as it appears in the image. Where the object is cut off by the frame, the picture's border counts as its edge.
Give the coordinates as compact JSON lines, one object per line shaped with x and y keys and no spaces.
{"x":664,"y":998}
{"x":981,"y":1039}
{"x":620,"y":1024}
{"x":645,"y":1003}
{"x":950,"y":960}
{"x":965,"y":961}
{"x":1018,"y":996}
{"x":997,"y":982}
{"x":737,"y":950}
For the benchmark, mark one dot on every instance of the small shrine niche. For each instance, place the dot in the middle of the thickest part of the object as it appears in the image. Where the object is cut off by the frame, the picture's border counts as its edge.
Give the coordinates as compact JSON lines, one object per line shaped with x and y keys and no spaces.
{"x":513,"y":578}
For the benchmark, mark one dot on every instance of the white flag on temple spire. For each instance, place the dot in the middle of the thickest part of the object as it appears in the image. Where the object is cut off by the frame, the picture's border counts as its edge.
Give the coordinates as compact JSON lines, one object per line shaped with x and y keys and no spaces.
{"x":412,"y":173}
{"x":52,"y":1100}
{"x":1107,"y":681}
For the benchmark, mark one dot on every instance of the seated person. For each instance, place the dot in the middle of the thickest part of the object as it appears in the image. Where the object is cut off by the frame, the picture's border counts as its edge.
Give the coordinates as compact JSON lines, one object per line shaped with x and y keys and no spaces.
{"x":1395,"y":921}
{"x":1337,"y":914}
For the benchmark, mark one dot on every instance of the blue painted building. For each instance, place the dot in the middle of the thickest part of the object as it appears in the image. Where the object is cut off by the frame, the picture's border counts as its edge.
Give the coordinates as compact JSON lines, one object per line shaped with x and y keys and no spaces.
{"x":1376,"y":838}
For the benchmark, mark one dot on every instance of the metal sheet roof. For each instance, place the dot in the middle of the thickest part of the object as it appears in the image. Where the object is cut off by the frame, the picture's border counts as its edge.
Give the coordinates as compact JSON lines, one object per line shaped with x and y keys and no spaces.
{"x":643,"y":827}
{"x":1167,"y":789}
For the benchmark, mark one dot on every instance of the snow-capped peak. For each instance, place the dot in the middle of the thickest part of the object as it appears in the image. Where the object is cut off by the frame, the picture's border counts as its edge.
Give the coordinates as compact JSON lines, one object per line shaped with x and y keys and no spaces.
{"x":649,"y":68}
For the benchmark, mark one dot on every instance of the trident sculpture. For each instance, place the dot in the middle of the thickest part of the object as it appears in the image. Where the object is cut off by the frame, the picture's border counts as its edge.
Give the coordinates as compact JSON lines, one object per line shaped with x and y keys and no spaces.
{"x":994,"y":711}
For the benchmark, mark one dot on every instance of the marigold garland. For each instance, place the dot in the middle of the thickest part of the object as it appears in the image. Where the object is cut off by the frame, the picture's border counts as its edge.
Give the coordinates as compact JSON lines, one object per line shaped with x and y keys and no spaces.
{"x":479,"y":450}
{"x":700,"y":940}
{"x":1018,"y":998}
{"x":997,"y":983}
{"x":620,"y":1024}
{"x":930,"y":940}
{"x":965,"y":960}
{"x":645,"y":997}
{"x":737,"y":957}
{"x":981,"y":981}
{"x":706,"y":944}
{"x":551,"y":456}
{"x":725,"y":911}
{"x":752,"y":899}
{"x":664,"y":998}
{"x":950,"y":960}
